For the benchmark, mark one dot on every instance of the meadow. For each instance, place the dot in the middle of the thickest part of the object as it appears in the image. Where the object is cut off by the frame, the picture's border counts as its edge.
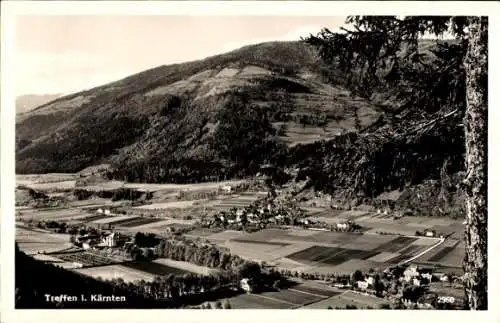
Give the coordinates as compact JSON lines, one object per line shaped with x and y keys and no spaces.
{"x":33,"y":241}
{"x":321,"y":252}
{"x":292,"y":298}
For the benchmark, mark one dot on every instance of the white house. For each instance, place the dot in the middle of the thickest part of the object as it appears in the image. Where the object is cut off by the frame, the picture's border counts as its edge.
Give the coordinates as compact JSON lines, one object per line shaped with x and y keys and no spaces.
{"x":107,"y":212}
{"x":427,"y":276}
{"x":77,"y":265}
{"x":342,"y":226}
{"x":85,"y":245}
{"x":246,"y":285}
{"x":226,"y":189}
{"x":109,"y":240}
{"x":410,"y":273}
{"x":370,"y":281}
{"x":363,"y":284}
{"x":416,"y":281}
{"x":430,"y":234}
{"x":100,"y":211}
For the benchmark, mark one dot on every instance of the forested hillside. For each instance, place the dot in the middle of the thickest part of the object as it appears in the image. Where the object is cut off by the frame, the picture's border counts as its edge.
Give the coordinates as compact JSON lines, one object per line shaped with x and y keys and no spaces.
{"x":274,"y":103}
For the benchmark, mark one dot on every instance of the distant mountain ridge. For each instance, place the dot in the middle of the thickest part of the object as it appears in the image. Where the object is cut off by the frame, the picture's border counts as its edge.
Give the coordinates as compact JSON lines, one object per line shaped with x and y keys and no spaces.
{"x":170,"y":117}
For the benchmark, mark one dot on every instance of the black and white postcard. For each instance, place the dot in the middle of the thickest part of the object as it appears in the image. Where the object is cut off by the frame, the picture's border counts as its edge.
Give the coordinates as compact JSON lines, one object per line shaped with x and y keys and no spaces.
{"x":292,"y":157}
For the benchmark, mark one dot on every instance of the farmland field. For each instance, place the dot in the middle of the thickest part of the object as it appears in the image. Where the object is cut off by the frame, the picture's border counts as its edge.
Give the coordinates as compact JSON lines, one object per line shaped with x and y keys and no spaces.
{"x":34,"y":241}
{"x":186,"y":266}
{"x":95,"y":218}
{"x":154,"y":268}
{"x":138,"y":222}
{"x":250,"y":301}
{"x":116,"y":271}
{"x":57,"y":214}
{"x":86,"y":258}
{"x":168,"y":205}
{"x":451,"y":255}
{"x":395,"y":244}
{"x":321,"y":252}
{"x":347,"y":298}
{"x":115,"y":219}
{"x":294,"y":297}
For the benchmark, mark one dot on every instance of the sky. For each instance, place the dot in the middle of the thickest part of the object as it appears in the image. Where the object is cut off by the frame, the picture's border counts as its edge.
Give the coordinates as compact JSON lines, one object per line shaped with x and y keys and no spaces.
{"x":64,"y":54}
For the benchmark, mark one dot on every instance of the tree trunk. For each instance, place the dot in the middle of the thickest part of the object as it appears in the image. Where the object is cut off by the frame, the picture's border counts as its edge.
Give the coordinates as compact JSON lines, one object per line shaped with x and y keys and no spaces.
{"x":475,"y":182}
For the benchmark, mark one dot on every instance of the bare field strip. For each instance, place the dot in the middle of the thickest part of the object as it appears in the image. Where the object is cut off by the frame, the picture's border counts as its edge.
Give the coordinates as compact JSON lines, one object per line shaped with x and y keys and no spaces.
{"x":425,"y":242}
{"x":383,"y":257}
{"x":87,"y":259}
{"x":346,"y":240}
{"x":270,"y":243}
{"x":119,"y":222}
{"x":116,"y":271}
{"x":330,"y":255}
{"x":202,"y":233}
{"x":261,"y":248}
{"x":186,"y":266}
{"x":139,"y":222}
{"x":257,"y":253}
{"x":348,"y":266}
{"x":32,"y":241}
{"x":301,"y":233}
{"x":114,"y":219}
{"x":347,"y":298}
{"x":312,"y":252}
{"x":290,"y":264}
{"x":399,"y":258}
{"x":49,"y":214}
{"x":168,"y":205}
{"x":317,"y":291}
{"x":227,"y":235}
{"x":411,"y":250}
{"x":354,"y":214}
{"x":452,"y":243}
{"x":454,"y":258}
{"x":154,"y":268}
{"x":251,"y":301}
{"x":364,"y":299}
{"x":333,"y":302}
{"x":396,"y":244}
{"x":293,"y":297}
{"x":95,"y":218}
{"x":440,"y":254}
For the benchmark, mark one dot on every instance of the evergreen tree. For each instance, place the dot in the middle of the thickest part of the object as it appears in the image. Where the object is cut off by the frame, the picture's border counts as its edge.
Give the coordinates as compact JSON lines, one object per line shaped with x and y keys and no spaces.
{"x":383,"y":51}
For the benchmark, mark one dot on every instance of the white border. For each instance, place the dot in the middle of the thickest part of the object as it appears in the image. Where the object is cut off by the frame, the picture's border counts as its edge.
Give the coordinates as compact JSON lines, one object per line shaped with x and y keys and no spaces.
{"x":11,"y":9}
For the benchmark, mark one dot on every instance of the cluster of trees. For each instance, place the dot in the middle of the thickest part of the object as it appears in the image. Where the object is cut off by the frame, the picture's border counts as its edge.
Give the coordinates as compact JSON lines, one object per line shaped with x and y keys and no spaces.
{"x":59,"y":227}
{"x":147,"y":240}
{"x":205,"y":255}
